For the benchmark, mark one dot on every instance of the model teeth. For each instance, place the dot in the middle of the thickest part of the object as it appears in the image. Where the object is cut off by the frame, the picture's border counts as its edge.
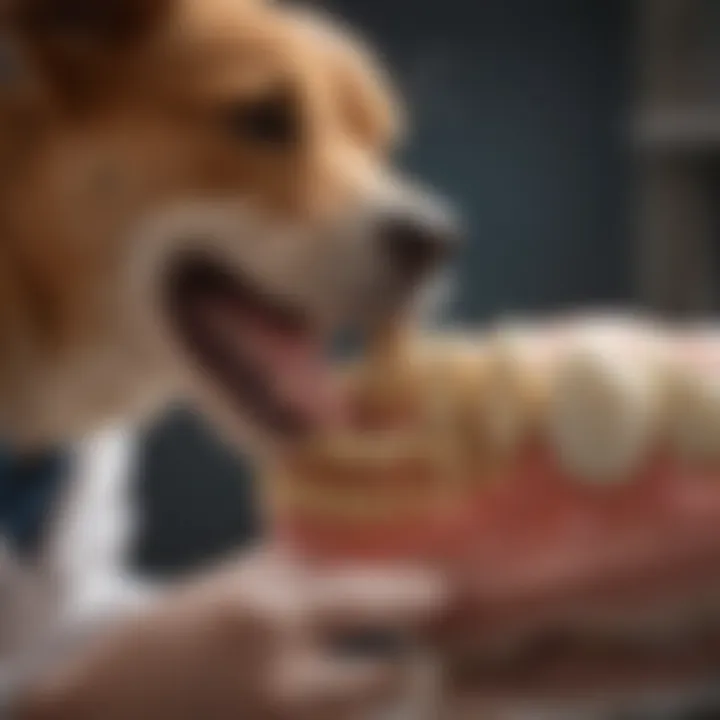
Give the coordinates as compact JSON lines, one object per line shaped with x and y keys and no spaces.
{"x":374,"y":450}
{"x":353,"y":503}
{"x":512,"y":388}
{"x":450,"y":375}
{"x":696,"y":431}
{"x":602,"y":395}
{"x":604,"y":408}
{"x":355,"y":506}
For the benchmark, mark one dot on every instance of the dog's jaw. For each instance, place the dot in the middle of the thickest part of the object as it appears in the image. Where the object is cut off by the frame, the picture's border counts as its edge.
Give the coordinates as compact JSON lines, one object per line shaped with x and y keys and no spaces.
{"x":112,"y":378}
{"x":306,"y":273}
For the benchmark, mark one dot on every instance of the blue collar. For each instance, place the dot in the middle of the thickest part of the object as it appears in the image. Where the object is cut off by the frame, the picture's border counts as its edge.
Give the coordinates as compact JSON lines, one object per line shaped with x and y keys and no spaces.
{"x":29,"y":485}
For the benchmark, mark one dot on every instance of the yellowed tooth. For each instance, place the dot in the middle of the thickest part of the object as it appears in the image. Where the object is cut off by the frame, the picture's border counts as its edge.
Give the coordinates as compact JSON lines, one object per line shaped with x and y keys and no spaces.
{"x":443,"y":369}
{"x":389,"y":379}
{"x":344,"y":503}
{"x":449,"y":378}
{"x":314,"y":501}
{"x":605,"y":405}
{"x":513,"y":389}
{"x":695,"y":423}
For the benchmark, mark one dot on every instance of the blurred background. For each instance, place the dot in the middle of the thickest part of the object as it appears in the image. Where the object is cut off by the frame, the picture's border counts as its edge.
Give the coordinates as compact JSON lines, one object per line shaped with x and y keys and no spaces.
{"x":578,"y":136}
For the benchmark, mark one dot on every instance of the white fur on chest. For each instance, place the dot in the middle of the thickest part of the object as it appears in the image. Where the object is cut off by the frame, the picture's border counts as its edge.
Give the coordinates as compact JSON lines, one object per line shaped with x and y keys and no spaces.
{"x":81,"y":573}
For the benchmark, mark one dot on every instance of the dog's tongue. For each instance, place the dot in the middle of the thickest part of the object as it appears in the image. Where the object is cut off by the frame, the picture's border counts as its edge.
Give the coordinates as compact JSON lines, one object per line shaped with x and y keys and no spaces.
{"x":301,"y":375}
{"x":295,"y":367}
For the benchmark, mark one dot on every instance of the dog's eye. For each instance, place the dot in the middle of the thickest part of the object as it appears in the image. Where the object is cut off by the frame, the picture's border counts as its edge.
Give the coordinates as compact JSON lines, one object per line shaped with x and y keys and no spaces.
{"x":273,"y":120}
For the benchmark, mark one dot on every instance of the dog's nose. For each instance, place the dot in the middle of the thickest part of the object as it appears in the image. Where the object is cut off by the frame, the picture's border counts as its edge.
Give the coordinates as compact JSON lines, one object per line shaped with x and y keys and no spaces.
{"x":418,"y":242}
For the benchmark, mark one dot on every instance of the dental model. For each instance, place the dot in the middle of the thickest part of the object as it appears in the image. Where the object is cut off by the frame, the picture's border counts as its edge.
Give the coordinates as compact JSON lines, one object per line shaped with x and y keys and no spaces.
{"x":444,"y":423}
{"x":569,"y":471}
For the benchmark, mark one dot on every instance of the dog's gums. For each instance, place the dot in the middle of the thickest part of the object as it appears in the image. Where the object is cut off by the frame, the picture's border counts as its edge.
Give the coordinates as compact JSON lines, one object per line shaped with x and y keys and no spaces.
{"x":568,"y":473}
{"x":263,"y":353}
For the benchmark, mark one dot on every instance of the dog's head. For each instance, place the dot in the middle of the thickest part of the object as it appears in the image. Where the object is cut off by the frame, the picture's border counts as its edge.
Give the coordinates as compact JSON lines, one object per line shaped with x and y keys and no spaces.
{"x":202,"y":191}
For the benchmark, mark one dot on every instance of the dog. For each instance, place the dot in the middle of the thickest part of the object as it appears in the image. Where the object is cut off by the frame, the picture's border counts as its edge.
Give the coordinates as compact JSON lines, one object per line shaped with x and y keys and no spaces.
{"x":177,"y":162}
{"x":196,"y":195}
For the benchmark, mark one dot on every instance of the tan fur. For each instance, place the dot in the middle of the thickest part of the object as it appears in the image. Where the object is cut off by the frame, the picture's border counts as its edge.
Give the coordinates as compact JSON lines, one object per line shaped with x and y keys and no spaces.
{"x":108,"y":126}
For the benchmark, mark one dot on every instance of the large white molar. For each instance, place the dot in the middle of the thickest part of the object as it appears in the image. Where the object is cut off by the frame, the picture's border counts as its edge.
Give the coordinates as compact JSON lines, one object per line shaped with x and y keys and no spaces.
{"x":606,"y":403}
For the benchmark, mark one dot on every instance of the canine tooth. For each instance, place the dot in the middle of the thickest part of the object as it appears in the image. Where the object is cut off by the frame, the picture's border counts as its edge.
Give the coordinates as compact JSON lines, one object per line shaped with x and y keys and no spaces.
{"x":604,"y":407}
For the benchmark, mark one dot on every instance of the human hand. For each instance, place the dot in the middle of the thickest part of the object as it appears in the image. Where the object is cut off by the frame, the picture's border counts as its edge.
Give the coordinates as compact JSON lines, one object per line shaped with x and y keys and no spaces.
{"x":256,"y":639}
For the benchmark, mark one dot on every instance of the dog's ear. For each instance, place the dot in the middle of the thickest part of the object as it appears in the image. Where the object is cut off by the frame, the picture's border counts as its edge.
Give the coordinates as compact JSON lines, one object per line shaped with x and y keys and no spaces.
{"x":74,"y":41}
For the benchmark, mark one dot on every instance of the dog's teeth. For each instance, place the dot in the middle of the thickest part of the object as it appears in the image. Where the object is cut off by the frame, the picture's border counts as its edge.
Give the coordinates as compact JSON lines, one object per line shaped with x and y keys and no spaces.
{"x":604,"y":407}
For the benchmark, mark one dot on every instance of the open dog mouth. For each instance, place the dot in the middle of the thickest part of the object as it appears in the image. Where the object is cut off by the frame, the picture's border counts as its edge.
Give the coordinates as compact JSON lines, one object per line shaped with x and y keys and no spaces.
{"x":261,"y":352}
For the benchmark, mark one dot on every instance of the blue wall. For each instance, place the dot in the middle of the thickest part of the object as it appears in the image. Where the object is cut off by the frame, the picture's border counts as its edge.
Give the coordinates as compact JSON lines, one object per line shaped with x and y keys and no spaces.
{"x":517,"y":108}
